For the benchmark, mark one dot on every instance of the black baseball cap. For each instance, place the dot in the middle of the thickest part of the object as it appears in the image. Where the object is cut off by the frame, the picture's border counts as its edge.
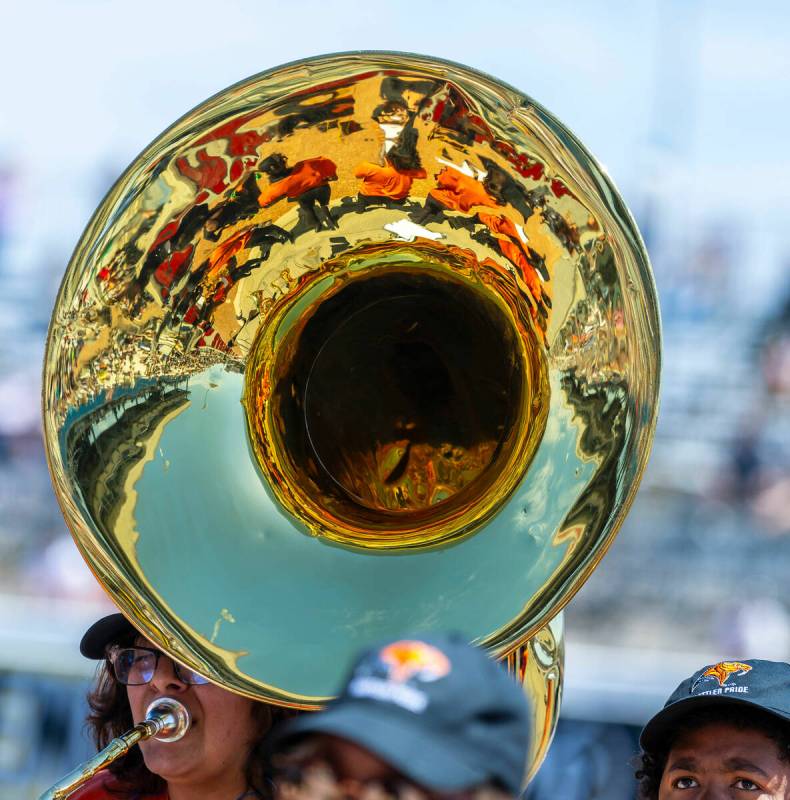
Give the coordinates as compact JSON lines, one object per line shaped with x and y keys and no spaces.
{"x":759,"y":684}
{"x":437,"y":709}
{"x":103,"y":632}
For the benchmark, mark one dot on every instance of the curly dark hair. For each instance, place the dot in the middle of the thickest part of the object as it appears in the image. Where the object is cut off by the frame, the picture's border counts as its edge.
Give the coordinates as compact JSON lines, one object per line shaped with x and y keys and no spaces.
{"x":651,"y":764}
{"x":110,"y":715}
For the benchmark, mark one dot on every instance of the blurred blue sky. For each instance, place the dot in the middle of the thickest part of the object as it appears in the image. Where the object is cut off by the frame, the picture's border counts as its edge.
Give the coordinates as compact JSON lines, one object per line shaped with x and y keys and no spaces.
{"x":688,"y":95}
{"x":684,"y":101}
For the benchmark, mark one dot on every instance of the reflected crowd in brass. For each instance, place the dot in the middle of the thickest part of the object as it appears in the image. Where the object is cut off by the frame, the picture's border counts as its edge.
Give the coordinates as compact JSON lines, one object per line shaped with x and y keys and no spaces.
{"x":362,"y":346}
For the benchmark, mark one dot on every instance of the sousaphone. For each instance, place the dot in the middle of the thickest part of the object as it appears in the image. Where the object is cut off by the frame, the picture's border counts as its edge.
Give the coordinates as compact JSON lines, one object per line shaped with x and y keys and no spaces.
{"x":363,"y":346}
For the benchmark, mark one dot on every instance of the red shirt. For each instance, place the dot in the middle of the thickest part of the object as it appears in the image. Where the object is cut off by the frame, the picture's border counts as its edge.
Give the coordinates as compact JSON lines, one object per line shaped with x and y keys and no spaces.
{"x":223,"y":253}
{"x":99,"y":788}
{"x":386,"y":181}
{"x":210,"y":174}
{"x":460,"y":192}
{"x":512,"y":248}
{"x":305,"y":175}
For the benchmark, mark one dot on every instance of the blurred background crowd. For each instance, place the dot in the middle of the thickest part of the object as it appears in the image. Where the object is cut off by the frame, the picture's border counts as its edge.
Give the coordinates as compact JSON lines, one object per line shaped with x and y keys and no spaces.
{"x":684,"y":101}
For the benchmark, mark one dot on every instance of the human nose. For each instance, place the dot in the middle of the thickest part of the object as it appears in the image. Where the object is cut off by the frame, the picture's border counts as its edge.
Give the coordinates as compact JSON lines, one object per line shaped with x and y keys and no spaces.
{"x":350,"y":789}
{"x":166,"y":679}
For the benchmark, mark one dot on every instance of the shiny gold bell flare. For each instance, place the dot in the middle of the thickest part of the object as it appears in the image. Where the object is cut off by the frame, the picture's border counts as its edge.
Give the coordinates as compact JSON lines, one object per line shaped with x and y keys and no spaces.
{"x":363,"y":346}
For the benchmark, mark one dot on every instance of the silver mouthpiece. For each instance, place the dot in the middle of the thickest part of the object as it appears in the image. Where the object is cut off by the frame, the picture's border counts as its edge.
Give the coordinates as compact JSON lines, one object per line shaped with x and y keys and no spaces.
{"x":169,"y":717}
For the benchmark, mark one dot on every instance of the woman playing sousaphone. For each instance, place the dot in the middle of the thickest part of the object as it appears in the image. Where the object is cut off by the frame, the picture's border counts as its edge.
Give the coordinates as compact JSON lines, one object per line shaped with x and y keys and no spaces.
{"x":219,"y":757}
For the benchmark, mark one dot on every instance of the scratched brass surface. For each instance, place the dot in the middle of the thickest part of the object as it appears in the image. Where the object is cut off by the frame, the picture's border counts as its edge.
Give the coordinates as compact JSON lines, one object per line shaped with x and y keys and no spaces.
{"x":274,"y":433}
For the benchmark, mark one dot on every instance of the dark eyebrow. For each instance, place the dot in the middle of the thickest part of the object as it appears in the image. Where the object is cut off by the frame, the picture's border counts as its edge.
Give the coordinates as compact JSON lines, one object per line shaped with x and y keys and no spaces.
{"x":737,"y":764}
{"x":684,"y":762}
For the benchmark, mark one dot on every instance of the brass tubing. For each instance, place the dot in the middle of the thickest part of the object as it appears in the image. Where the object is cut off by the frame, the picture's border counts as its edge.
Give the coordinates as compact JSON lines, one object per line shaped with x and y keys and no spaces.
{"x":164,"y":716}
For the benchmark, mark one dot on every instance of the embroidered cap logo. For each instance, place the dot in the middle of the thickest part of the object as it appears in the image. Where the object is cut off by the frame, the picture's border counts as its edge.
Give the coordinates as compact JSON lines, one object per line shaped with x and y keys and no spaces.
{"x":407,"y":659}
{"x":722,"y":672}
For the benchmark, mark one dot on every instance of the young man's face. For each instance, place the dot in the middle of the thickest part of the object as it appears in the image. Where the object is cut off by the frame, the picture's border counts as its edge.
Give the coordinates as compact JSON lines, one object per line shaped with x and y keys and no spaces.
{"x":337,"y":768}
{"x":333,"y":768}
{"x":720,"y":761}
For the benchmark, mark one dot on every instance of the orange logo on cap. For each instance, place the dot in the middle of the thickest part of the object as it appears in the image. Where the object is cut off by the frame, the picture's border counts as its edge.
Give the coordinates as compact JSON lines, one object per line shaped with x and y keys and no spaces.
{"x":724,"y":669}
{"x":406,"y":659}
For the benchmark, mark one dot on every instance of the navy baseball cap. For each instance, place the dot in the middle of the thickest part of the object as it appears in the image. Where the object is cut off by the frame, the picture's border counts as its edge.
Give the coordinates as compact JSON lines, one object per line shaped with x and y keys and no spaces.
{"x":759,"y":684}
{"x":437,"y":709}
{"x":103,"y":632}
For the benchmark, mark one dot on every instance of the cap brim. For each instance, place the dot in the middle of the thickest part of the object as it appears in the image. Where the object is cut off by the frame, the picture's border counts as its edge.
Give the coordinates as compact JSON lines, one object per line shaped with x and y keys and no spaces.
{"x":102,"y":633}
{"x":399,"y":738}
{"x":657,"y":732}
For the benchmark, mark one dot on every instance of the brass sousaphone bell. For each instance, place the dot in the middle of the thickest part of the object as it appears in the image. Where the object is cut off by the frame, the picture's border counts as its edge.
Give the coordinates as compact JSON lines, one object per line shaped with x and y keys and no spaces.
{"x":363,"y":346}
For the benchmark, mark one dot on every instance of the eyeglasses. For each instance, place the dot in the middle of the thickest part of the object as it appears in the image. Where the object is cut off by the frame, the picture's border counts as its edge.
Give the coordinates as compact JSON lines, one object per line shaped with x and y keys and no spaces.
{"x":135,"y":666}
